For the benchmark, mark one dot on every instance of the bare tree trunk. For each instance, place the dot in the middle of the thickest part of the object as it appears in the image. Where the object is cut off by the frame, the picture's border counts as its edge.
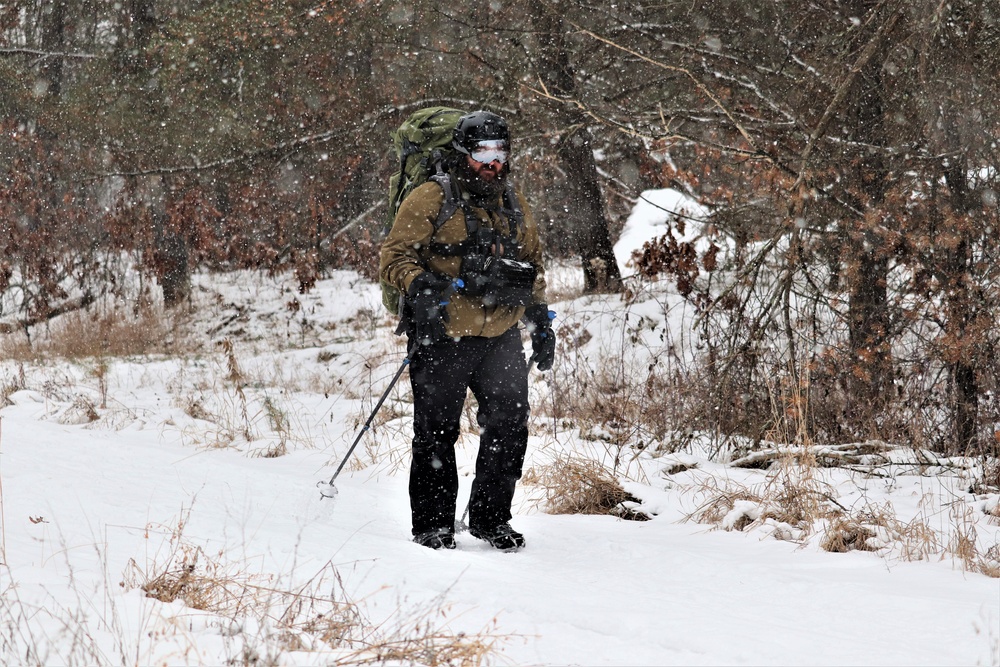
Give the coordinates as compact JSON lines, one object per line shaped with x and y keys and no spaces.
{"x":54,"y":43}
{"x":171,"y":250}
{"x":590,"y":223}
{"x":172,"y":255}
{"x":962,"y":312}
{"x":600,"y":268}
{"x":137,"y":26}
{"x":170,"y":244}
{"x":870,"y":377}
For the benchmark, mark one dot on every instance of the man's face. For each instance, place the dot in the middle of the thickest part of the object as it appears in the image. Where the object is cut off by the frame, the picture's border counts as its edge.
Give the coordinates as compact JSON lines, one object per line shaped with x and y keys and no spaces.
{"x":488,"y":172}
{"x":488,"y":158}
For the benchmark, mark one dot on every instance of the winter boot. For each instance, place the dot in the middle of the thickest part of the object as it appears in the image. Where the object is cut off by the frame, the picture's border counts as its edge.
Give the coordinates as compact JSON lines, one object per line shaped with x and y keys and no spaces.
{"x":439,"y":538}
{"x":501,"y":537}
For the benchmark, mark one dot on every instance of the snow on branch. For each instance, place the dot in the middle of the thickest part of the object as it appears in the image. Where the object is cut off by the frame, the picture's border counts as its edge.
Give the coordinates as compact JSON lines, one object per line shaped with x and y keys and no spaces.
{"x":11,"y":51}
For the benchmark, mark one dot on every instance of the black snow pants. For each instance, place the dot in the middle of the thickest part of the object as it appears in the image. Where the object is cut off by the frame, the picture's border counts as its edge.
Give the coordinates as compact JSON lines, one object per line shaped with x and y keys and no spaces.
{"x":440,"y":375}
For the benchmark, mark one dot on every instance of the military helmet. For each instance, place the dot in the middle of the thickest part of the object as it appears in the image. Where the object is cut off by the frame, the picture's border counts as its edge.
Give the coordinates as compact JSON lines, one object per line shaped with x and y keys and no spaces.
{"x":478,"y":128}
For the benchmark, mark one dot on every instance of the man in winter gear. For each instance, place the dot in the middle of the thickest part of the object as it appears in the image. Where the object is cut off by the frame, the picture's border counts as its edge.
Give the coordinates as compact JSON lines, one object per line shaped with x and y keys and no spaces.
{"x":463,"y":333}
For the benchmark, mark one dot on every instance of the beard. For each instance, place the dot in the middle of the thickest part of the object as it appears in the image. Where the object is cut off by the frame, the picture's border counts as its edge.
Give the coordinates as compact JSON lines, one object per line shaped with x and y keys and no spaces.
{"x":479,"y":187}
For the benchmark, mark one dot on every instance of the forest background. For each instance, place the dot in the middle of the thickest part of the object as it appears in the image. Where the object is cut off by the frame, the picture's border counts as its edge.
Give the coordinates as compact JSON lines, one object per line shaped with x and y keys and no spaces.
{"x":842,"y":153}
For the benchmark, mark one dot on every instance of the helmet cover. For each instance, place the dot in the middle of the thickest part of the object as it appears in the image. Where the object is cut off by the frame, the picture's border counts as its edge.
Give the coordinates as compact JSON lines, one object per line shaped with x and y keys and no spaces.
{"x":480,"y":126}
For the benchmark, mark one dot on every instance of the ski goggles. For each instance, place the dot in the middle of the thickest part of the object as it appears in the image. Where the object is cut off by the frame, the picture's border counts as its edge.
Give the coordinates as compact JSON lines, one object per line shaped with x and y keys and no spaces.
{"x":486,"y":152}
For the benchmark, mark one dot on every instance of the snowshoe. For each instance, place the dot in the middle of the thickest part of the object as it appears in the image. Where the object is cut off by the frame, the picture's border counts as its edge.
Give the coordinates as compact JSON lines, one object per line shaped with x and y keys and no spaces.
{"x":439,"y":538}
{"x":501,"y":537}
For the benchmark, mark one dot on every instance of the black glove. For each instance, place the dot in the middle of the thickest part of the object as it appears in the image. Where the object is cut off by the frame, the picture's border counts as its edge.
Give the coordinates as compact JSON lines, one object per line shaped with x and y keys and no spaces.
{"x":543,"y":338}
{"x":425,"y":298}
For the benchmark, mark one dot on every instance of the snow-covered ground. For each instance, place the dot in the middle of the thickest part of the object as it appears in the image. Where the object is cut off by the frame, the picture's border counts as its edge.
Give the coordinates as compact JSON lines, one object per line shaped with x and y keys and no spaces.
{"x":195,"y":477}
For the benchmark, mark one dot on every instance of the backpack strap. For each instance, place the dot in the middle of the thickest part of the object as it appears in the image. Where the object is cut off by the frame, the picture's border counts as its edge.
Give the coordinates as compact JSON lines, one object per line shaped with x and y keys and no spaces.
{"x":512,"y":208}
{"x":452,"y":202}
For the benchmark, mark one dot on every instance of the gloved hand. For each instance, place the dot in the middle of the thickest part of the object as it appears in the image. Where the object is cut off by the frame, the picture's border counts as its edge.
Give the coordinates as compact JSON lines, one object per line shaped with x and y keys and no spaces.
{"x":425,"y":298}
{"x":543,"y":338}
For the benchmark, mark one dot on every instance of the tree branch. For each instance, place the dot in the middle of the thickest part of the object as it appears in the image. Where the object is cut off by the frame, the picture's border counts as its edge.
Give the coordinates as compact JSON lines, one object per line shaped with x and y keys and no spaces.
{"x":288,"y":147}
{"x":754,"y":154}
{"x":871,"y":48}
{"x":78,"y":303}
{"x":371,"y":209}
{"x":679,"y":70}
{"x":45,"y":54}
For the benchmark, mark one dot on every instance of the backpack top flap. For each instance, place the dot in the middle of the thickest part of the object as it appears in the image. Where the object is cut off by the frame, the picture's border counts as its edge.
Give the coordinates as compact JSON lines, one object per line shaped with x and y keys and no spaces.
{"x":419,"y":143}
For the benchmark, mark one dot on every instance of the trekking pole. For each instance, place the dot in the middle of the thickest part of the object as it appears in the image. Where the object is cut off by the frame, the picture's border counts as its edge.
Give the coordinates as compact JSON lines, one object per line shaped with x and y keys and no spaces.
{"x":327,"y":489}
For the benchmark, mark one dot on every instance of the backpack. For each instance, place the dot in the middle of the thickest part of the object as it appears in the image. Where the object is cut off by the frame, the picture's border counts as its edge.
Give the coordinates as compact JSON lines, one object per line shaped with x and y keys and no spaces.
{"x":420,"y":143}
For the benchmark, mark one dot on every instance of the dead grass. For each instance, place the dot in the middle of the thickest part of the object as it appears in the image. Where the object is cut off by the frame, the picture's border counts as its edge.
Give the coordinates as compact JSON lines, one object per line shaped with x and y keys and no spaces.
{"x":625,"y":406}
{"x":990,"y":562}
{"x":722,"y":499}
{"x":240,"y":409}
{"x":81,"y":411}
{"x":12,"y":385}
{"x":115,"y":332}
{"x":795,"y":506}
{"x":195,"y":409}
{"x":314,"y":616}
{"x":202,"y":582}
{"x":989,"y":478}
{"x":790,"y":494}
{"x":277,"y":419}
{"x":913,"y":540}
{"x":583,"y":486}
{"x":993,"y":512}
{"x":845,"y":534}
{"x":386,"y":446}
